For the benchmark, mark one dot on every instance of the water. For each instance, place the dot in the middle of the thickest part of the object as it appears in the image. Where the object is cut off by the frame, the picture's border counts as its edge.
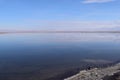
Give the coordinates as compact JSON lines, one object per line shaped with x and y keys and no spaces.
{"x":45,"y":55}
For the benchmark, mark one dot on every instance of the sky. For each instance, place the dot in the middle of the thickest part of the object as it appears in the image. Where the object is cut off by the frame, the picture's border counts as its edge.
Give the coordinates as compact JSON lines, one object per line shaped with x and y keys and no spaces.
{"x":59,"y":15}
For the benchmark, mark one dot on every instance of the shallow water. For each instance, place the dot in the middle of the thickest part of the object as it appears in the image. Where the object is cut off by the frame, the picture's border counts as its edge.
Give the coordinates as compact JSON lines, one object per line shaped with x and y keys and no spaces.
{"x":41,"y":56}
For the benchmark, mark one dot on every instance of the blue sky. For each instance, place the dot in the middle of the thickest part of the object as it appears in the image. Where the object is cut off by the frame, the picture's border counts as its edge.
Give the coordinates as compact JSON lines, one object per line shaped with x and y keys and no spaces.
{"x":59,"y":14}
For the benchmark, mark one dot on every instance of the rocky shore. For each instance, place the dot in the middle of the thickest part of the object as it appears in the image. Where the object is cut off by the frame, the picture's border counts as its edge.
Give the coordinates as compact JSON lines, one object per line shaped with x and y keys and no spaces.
{"x":108,"y":73}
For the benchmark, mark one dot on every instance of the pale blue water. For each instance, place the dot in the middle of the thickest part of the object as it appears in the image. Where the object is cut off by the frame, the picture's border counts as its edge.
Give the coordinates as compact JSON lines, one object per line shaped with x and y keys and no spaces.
{"x":43,"y":53}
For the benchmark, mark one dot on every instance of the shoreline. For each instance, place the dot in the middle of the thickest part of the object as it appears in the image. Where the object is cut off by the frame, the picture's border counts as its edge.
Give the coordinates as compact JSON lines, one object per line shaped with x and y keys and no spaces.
{"x":96,"y":73}
{"x":75,"y":71}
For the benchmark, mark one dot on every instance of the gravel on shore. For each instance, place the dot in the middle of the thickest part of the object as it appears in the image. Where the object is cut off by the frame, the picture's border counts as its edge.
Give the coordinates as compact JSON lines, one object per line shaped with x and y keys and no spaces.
{"x":97,"y":74}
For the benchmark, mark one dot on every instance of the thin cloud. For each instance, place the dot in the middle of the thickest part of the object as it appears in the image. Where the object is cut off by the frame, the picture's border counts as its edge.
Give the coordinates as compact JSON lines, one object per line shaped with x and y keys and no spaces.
{"x":77,"y":25}
{"x":96,"y":1}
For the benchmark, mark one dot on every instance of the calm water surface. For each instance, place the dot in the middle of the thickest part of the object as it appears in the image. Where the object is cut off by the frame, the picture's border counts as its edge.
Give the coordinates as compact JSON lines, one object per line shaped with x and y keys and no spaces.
{"x":44,"y":55}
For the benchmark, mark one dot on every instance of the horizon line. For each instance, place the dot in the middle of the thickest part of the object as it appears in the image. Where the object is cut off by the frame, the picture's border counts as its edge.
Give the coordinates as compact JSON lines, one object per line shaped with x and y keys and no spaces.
{"x":58,"y":31}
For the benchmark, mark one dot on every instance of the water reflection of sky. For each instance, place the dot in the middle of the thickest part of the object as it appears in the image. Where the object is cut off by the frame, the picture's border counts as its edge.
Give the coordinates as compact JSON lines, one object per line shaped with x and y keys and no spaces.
{"x":54,"y":37}
{"x":63,"y":41}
